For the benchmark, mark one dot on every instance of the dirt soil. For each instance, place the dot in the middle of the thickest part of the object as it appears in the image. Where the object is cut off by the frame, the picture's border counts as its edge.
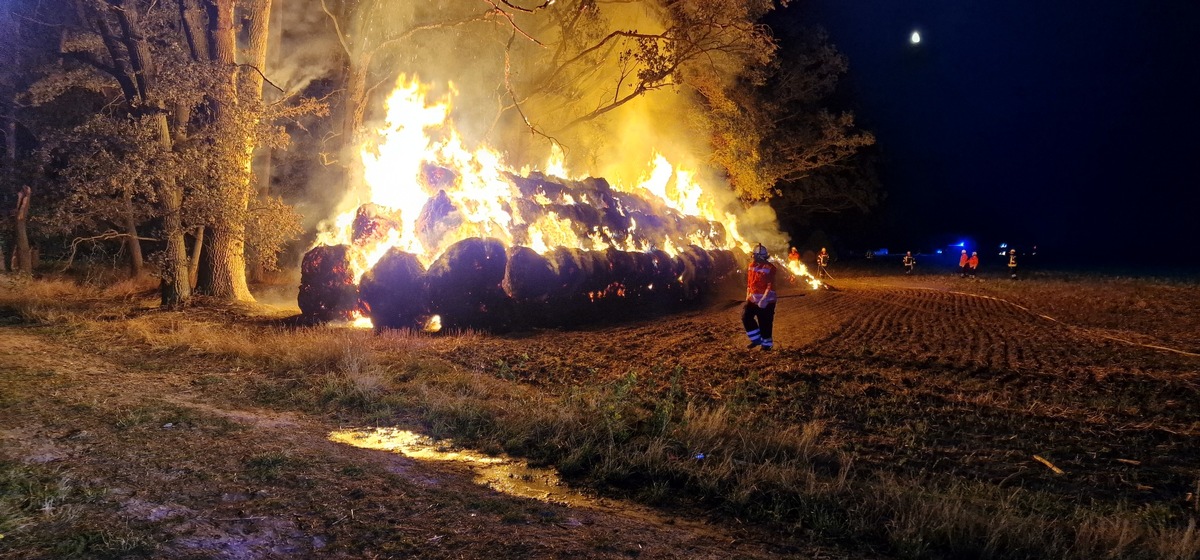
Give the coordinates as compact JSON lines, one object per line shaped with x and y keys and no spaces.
{"x":912,"y":375}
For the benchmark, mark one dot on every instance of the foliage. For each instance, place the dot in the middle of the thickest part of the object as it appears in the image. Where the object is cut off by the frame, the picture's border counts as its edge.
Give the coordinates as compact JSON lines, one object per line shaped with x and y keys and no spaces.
{"x":772,"y":133}
{"x":159,"y":137}
{"x":699,"y":43}
{"x":760,"y":106}
{"x":100,"y":172}
{"x":271,"y":224}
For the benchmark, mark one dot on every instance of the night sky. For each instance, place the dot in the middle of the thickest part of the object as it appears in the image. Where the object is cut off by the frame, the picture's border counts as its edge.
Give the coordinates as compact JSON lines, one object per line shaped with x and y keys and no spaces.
{"x":1072,"y":125}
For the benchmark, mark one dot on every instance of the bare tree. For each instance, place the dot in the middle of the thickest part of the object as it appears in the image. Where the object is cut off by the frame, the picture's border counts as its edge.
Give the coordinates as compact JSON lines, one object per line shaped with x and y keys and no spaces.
{"x":10,"y":84}
{"x":23,"y":258}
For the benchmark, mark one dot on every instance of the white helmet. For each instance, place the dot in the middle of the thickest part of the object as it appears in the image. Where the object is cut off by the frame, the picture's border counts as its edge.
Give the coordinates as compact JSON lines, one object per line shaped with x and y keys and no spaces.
{"x":760,"y":252}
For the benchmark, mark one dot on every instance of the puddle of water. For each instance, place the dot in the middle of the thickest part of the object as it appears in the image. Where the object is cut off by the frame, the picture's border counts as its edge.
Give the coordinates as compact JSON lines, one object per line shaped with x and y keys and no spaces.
{"x":501,"y":473}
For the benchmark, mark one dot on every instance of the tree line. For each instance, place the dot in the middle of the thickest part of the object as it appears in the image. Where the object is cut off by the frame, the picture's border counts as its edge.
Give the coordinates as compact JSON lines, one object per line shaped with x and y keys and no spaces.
{"x":138,"y":122}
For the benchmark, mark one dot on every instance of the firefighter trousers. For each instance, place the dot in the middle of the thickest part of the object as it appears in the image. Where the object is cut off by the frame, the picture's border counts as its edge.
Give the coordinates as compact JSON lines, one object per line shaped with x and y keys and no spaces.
{"x":759,"y":322}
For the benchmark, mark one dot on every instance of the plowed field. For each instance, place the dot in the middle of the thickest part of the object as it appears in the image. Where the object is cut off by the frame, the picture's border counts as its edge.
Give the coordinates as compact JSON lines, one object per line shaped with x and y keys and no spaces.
{"x":933,"y":374}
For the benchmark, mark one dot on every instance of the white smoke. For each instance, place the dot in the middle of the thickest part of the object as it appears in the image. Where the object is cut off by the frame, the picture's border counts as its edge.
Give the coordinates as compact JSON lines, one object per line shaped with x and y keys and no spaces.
{"x":453,"y":44}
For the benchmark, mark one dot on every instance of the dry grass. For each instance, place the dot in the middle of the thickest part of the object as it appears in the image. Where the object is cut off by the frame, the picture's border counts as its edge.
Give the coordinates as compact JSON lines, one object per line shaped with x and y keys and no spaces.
{"x":48,"y":509}
{"x":971,"y":520}
{"x":766,"y":446}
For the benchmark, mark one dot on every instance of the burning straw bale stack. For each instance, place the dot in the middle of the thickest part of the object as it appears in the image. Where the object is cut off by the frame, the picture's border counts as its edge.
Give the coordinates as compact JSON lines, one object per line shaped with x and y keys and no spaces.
{"x":482,"y":284}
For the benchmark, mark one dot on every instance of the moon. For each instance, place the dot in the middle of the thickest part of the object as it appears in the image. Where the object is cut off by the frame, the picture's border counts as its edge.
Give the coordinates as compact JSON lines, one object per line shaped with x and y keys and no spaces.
{"x":915,"y":38}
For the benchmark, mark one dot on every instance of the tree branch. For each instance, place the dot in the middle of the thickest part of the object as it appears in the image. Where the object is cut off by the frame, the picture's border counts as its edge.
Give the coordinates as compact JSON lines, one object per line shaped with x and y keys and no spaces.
{"x":110,"y":234}
{"x":508,"y":88}
{"x":337,"y":28}
{"x":264,"y":77}
{"x":513,"y":23}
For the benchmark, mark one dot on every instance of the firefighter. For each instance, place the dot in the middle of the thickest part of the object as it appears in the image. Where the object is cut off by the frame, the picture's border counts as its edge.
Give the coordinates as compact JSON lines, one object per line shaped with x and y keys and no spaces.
{"x":1012,"y":263}
{"x":822,"y":262}
{"x":973,"y":263}
{"x":758,"y":313}
{"x":962,"y":264}
{"x":909,"y":262}
{"x":793,"y":264}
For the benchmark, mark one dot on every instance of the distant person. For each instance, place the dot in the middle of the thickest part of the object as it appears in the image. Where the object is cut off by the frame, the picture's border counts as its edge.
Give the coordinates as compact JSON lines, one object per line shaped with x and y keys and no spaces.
{"x":1012,"y":264}
{"x":909,"y":262}
{"x":973,"y":263}
{"x":793,"y":265}
{"x":758,"y":313}
{"x":822,"y":262}
{"x":963,"y":261}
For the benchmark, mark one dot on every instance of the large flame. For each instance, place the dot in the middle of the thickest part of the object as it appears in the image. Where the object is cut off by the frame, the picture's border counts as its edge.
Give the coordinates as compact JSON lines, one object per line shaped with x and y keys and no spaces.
{"x":418,"y":133}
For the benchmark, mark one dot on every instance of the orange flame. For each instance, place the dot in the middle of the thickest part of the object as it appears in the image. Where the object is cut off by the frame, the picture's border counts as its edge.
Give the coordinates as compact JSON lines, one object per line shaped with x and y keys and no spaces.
{"x":418,"y":133}
{"x":798,"y":270}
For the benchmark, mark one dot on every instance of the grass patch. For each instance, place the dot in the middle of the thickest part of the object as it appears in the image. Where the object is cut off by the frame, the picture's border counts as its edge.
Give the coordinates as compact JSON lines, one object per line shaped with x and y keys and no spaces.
{"x":171,"y":417}
{"x":102,"y":543}
{"x":273,"y":467}
{"x":43,"y":509}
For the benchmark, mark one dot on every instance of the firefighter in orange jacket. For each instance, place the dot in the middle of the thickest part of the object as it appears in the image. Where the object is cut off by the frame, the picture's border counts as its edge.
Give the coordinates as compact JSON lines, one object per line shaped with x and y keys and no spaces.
{"x":758,"y":313}
{"x":793,"y":264}
{"x":962,"y":264}
{"x":973,"y":263}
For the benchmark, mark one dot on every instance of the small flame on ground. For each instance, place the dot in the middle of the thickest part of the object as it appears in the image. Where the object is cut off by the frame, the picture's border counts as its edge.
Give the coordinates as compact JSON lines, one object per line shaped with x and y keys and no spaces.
{"x":356,"y":321}
{"x":433,"y":324}
{"x":799,"y":270}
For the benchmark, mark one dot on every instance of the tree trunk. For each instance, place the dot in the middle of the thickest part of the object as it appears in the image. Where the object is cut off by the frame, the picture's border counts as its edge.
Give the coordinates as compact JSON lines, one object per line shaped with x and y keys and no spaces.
{"x":131,"y":55}
{"x":197,"y":249}
{"x":175,"y":288}
{"x":228,"y":257}
{"x":135,"y":245}
{"x":257,"y":272}
{"x":23,"y":257}
{"x":193,"y":19}
{"x":263,"y":165}
{"x":10,"y":167}
{"x":227,"y":253}
{"x":354,"y":107}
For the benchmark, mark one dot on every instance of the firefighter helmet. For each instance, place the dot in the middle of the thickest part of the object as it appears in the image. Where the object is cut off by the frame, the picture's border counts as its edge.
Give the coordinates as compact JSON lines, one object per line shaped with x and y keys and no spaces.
{"x":760,"y":252}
